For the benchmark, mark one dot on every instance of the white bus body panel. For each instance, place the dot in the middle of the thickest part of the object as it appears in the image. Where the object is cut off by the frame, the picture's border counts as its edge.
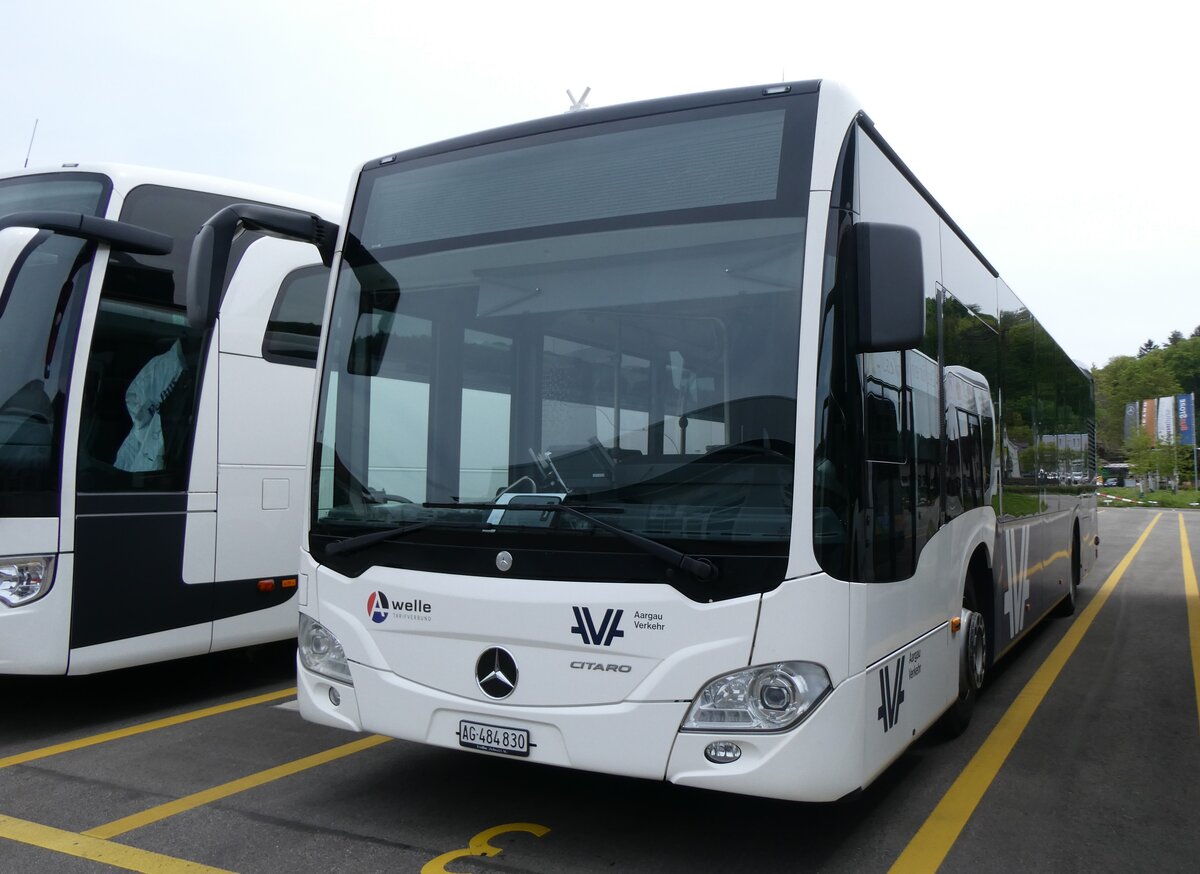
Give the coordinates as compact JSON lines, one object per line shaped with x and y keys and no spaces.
{"x":414,"y":676}
{"x":261,"y":626}
{"x":263,"y":443}
{"x":455,"y":618}
{"x":807,"y":619}
{"x":158,"y":647}
{"x":34,"y":636}
{"x":36,"y":535}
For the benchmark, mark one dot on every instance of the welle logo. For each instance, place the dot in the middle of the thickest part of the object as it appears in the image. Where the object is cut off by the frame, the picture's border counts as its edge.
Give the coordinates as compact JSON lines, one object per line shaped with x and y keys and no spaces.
{"x":593,"y":635}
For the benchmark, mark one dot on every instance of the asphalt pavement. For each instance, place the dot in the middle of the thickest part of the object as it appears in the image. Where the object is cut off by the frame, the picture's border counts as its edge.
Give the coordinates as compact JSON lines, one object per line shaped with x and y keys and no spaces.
{"x":1084,"y":755}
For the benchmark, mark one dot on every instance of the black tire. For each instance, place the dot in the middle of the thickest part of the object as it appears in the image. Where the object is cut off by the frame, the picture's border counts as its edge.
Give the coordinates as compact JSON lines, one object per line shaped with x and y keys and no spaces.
{"x":1066,"y":607}
{"x":955,"y":720}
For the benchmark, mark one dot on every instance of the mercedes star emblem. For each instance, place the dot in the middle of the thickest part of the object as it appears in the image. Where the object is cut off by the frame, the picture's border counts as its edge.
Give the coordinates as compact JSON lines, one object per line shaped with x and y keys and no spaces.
{"x":496,"y":673}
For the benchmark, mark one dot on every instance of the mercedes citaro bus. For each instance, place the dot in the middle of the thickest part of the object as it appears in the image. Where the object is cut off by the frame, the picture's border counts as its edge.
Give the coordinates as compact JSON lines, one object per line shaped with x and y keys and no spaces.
{"x":151,"y":459}
{"x":688,"y":440}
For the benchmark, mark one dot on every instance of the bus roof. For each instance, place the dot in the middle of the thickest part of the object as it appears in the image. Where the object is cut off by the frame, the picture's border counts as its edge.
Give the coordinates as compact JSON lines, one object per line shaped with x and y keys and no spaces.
{"x":126,"y":177}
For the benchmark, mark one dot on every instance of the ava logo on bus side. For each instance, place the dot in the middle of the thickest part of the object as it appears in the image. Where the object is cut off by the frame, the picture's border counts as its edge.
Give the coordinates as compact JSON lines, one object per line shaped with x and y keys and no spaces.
{"x":891,"y":686}
{"x":602,"y":635}
{"x":1016,"y":597}
{"x":610,"y":626}
{"x":380,"y":606}
{"x":891,"y":694}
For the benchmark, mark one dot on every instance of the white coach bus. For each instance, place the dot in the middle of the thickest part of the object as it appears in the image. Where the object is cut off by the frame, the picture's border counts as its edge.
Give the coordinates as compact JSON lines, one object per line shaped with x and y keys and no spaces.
{"x":681,"y":440}
{"x":151,"y":465}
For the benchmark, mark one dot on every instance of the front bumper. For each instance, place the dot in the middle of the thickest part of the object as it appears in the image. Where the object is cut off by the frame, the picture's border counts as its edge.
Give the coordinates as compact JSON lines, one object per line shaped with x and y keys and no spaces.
{"x":819,"y":760}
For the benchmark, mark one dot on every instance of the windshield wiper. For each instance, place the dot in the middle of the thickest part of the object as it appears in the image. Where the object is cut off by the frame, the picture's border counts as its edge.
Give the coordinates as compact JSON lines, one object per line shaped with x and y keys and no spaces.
{"x":700,"y":568}
{"x":361,"y":541}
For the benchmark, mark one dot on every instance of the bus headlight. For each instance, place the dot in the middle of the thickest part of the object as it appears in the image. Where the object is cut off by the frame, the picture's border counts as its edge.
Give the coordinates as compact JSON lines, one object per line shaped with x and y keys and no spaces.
{"x":765,"y":698}
{"x":25,"y":579}
{"x":321,"y":652}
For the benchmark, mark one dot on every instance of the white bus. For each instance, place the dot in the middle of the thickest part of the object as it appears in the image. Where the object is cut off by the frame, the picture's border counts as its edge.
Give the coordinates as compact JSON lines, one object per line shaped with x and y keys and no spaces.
{"x":665,"y":440}
{"x":151,"y":469}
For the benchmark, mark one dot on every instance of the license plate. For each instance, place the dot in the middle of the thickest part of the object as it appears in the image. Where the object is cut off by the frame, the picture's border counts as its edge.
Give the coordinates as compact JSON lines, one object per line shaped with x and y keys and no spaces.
{"x":493,"y":738}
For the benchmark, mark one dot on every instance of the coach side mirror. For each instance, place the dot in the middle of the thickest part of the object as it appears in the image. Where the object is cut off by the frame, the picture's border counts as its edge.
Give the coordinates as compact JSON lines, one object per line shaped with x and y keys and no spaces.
{"x":120,"y":236}
{"x":890,"y":278}
{"x":208,"y":263}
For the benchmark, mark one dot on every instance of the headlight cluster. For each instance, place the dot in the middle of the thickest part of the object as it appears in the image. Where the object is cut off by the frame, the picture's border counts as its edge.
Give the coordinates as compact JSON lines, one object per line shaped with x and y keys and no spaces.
{"x":764,"y":698}
{"x":321,"y":652}
{"x":25,"y":579}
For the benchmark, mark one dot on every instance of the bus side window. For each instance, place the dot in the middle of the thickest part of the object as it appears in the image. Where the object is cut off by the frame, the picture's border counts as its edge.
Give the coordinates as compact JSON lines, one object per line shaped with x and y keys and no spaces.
{"x":970,"y":438}
{"x":954,"y":498}
{"x":294,"y":329}
{"x":139,"y":398}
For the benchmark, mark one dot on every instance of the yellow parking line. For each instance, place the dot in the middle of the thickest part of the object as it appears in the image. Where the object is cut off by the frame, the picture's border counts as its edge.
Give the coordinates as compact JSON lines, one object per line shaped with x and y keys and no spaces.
{"x":96,"y":850}
{"x":929,"y":846}
{"x":207,"y":796}
{"x":32,"y":755}
{"x":1193,"y":607}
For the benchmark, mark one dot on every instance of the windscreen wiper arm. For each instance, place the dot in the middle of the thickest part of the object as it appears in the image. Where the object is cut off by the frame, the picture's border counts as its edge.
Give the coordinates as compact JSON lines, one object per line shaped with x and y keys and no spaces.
{"x":361,"y":541}
{"x":700,"y":568}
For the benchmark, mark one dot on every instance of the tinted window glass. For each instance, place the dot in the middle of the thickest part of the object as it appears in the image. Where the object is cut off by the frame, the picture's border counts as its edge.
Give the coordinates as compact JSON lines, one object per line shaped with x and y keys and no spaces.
{"x":40,"y":307}
{"x":139,"y":402}
{"x":685,"y":165}
{"x":72,"y":192}
{"x":294,"y":330}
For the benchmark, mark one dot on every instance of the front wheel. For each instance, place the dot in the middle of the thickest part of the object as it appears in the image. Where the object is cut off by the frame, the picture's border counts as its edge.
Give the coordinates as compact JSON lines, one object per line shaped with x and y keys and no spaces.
{"x":971,"y":667}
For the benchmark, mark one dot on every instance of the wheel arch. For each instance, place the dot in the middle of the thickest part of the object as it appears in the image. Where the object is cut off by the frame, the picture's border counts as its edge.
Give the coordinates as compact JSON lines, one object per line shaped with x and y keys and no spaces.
{"x":981,"y":580}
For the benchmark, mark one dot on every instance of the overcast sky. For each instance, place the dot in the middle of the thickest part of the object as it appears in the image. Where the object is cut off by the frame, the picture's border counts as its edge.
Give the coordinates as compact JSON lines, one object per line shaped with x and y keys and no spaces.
{"x":1061,"y":136}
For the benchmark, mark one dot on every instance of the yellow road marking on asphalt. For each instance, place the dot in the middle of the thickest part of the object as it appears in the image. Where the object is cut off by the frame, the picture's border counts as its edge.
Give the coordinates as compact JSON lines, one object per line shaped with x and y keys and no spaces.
{"x":207,"y":796}
{"x":480,"y":846}
{"x":929,"y":846}
{"x":32,"y":755}
{"x":1193,"y":607}
{"x":96,"y":850}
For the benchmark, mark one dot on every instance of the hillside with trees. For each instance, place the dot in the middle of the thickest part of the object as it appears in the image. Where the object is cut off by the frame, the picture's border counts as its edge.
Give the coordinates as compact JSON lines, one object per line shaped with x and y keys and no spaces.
{"x":1155,"y":371}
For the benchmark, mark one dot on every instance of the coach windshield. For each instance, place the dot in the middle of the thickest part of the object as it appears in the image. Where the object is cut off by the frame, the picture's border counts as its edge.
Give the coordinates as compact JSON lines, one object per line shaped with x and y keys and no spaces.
{"x":41,"y":301}
{"x":600,"y":322}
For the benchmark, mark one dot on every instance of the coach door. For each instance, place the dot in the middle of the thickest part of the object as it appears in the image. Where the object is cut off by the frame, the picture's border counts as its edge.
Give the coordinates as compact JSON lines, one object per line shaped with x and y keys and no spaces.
{"x":143,"y":562}
{"x":145,"y":524}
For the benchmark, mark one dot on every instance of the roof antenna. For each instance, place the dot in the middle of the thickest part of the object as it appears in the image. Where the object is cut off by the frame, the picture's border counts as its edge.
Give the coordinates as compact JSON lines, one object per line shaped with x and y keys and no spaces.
{"x":31,"y":136}
{"x":581,"y":103}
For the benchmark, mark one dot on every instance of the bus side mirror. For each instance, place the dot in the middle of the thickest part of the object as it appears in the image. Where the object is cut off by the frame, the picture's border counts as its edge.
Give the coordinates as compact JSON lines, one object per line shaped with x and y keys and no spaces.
{"x":209,"y":259}
{"x":120,"y":236}
{"x":891,"y":287}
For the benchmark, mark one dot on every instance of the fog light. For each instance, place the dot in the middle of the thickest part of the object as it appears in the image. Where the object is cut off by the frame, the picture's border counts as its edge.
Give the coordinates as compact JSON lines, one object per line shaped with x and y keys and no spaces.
{"x":335,"y":697}
{"x":722,"y":752}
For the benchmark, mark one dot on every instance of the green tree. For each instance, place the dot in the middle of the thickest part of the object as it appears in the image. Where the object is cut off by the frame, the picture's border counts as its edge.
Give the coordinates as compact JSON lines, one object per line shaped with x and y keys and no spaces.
{"x":1138,"y":449}
{"x":1174,"y":337}
{"x":1146,"y":348}
{"x":1125,"y":379}
{"x":1183,"y":360}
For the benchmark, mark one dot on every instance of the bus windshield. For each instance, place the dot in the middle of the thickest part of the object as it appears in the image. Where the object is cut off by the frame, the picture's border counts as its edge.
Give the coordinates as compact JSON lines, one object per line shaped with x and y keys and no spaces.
{"x":606,"y":319}
{"x":41,"y":299}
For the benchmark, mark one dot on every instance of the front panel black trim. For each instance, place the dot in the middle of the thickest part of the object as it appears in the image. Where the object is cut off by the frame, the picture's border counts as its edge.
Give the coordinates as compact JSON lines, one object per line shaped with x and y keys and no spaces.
{"x":129,"y":573}
{"x":743,"y":568}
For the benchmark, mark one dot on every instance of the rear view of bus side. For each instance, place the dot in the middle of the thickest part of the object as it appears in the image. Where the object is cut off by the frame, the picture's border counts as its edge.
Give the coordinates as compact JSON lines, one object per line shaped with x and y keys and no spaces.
{"x":151,"y":469}
{"x":688,"y":440}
